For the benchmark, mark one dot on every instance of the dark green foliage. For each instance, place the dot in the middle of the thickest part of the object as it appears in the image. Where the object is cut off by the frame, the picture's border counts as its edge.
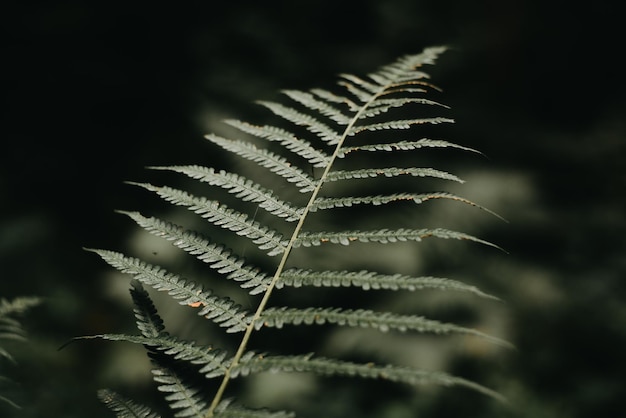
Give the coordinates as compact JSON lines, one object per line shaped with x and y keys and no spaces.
{"x":11,"y":328}
{"x":366,"y":118}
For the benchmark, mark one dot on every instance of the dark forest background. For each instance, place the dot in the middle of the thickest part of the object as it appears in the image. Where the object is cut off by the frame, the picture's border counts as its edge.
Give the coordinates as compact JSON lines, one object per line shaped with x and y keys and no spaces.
{"x":96,"y":91}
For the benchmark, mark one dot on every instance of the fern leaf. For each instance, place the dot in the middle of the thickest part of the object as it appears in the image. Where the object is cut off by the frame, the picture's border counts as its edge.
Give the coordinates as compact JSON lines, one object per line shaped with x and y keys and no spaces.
{"x":223,"y":216}
{"x":296,"y":145}
{"x":148,"y":320}
{"x":180,"y":395}
{"x":123,"y":407}
{"x":362,"y":95}
{"x":335,"y":98}
{"x":384,"y":105}
{"x":369,"y":280}
{"x":220,"y":310}
{"x":382,"y":236}
{"x":269,"y":160}
{"x":398,"y":124}
{"x":368,"y":89}
{"x":210,"y":360}
{"x":382,"y":321}
{"x":308,"y":100}
{"x":11,"y":328}
{"x":322,"y":130}
{"x":17,"y":306}
{"x":404,"y":146}
{"x":322,"y":203}
{"x":324,"y":366}
{"x":390,"y":172}
{"x":226,"y":409}
{"x":243,"y":188}
{"x":217,"y":256}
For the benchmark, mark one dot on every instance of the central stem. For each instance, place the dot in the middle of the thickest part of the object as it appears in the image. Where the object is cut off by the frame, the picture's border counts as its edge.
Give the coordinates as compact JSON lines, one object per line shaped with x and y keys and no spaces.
{"x":281,"y":266}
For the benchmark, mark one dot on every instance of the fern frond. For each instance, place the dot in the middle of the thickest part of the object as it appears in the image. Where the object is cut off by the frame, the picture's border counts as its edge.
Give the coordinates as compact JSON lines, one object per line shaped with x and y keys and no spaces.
{"x":309,"y":101}
{"x":382,"y":321}
{"x":322,"y":130}
{"x":390,"y":172}
{"x":369,"y":280}
{"x":123,"y":407}
{"x":217,"y":256}
{"x":221,"y":310}
{"x":224,"y":217}
{"x":226,"y":409}
{"x":383,"y":236}
{"x":267,"y":159}
{"x":325,"y":366}
{"x":296,"y":145}
{"x":241,"y":187}
{"x":405,"y":146}
{"x":330,"y":121}
{"x":398,"y":124}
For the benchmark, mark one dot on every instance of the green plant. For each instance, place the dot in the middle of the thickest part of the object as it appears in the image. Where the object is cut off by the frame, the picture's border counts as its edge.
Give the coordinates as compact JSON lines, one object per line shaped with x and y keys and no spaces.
{"x":325,"y":170}
{"x":11,"y":328}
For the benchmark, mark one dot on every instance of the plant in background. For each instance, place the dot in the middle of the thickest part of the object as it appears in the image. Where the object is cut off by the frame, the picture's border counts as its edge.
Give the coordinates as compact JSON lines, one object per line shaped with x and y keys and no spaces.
{"x":11,"y":329}
{"x":314,"y":172}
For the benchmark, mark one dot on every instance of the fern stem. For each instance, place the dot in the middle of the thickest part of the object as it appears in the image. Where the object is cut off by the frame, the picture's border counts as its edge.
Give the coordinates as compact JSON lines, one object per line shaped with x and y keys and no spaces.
{"x":281,"y":266}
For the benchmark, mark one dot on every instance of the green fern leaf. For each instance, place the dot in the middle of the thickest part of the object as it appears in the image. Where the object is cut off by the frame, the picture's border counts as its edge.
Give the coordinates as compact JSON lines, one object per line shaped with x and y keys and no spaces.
{"x":148,"y":320}
{"x":369,"y":280}
{"x":179,"y":394}
{"x":211,"y":360}
{"x":322,"y":203}
{"x":243,"y":188}
{"x":322,"y":130}
{"x":365,"y":89}
{"x":124,"y":408}
{"x":269,"y":160}
{"x":308,"y":100}
{"x":223,"y":216}
{"x":381,"y":106}
{"x":296,"y":145}
{"x":404,"y":146}
{"x":217,"y":256}
{"x":335,"y":98}
{"x":383,"y":236}
{"x":390,"y":172}
{"x":382,"y":321}
{"x":10,"y":327}
{"x":220,"y":310}
{"x":398,"y":124}
{"x":324,"y":366}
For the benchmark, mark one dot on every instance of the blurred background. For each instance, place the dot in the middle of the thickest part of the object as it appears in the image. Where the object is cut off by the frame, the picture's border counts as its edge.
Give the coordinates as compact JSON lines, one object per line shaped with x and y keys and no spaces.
{"x":96,"y":91}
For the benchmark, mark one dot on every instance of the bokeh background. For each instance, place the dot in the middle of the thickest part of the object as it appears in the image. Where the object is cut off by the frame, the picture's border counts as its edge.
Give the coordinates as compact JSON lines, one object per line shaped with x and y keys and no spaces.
{"x":96,"y":91}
